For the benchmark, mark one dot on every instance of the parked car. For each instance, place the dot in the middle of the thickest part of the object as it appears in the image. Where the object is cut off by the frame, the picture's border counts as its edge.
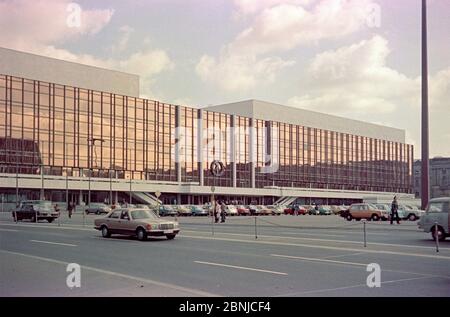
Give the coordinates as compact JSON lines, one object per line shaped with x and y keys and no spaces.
{"x":290,"y":210}
{"x":166,"y":210}
{"x":198,"y":211}
{"x":97,"y":208}
{"x":275,"y":210}
{"x":136,"y":222}
{"x":263,"y":210}
{"x":183,"y":211}
{"x":313,"y":210}
{"x":242,"y":210}
{"x":231,"y":210}
{"x":35,"y":210}
{"x":254,"y":210}
{"x":366,"y":211}
{"x":325,"y":210}
{"x":409,"y":213}
{"x":437,"y":212}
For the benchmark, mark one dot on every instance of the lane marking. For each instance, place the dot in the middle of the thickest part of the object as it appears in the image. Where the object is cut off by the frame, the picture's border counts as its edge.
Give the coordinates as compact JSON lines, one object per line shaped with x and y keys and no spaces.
{"x":10,"y":230}
{"x":56,"y":243}
{"x":325,"y":261}
{"x":312,"y":246}
{"x":342,"y":255}
{"x":327,"y":240}
{"x":240,"y":267}
{"x":352,"y":286}
{"x":135,"y":278}
{"x":318,"y":260}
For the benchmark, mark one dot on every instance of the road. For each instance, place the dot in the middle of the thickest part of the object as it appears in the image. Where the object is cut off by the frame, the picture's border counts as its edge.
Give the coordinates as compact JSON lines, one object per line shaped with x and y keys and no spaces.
{"x":287,"y":256}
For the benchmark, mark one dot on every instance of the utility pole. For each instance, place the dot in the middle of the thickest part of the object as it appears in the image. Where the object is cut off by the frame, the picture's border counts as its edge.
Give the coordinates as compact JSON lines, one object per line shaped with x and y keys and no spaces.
{"x":425,"y":192}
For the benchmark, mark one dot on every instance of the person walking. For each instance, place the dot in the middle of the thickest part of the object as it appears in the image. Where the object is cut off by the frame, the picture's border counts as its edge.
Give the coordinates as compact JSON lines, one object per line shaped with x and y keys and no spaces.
{"x":394,"y":211}
{"x":70,"y":209}
{"x":223,"y":212}
{"x":216,"y":211}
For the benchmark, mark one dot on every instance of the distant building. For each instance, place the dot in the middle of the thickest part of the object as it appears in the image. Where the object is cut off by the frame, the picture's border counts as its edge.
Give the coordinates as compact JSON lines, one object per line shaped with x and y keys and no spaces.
{"x":439,"y":177}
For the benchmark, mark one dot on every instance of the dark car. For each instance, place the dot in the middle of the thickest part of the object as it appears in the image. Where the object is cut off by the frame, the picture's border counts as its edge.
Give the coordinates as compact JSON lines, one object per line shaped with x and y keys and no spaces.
{"x":97,"y":208}
{"x":36,"y":210}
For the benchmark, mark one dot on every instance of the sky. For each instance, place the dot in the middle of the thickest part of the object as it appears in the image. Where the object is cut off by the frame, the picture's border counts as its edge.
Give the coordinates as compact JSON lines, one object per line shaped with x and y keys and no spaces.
{"x":359,"y":59}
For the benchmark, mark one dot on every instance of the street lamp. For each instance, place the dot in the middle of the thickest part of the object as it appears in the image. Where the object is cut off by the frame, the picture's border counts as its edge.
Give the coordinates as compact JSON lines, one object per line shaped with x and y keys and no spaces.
{"x":91,"y":144}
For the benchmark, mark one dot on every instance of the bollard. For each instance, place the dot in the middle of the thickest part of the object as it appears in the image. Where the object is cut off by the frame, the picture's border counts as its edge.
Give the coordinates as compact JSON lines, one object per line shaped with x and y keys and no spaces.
{"x":15,"y":216}
{"x":256,"y":233}
{"x":35,"y":217}
{"x":84,"y":217}
{"x":436,"y":236}
{"x":364,"y":228}
{"x":212,"y":223}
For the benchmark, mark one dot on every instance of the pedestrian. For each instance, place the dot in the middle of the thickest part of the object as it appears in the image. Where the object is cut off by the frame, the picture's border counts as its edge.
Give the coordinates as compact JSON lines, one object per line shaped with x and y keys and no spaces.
{"x":223,"y":212}
{"x":216,"y":211}
{"x":70,"y":209}
{"x":394,"y":211}
{"x":296,"y":209}
{"x":56,"y":209}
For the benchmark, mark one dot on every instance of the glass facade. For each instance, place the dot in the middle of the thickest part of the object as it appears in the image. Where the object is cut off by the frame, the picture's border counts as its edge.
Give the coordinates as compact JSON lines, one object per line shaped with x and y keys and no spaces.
{"x":62,"y":130}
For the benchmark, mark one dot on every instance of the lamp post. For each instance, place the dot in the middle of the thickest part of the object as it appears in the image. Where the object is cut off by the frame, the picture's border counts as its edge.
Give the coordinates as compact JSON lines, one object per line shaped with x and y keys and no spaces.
{"x":425,"y":195}
{"x":91,"y":144}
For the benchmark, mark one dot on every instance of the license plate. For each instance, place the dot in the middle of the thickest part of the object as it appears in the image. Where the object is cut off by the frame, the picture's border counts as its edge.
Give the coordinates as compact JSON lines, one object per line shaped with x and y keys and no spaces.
{"x":168,"y":231}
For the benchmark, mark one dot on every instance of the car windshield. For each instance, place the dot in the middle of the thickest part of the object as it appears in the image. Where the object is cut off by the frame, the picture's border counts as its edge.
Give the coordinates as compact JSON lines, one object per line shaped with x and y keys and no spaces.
{"x":143,"y":214}
{"x":436,"y":207}
{"x":372,"y":206}
{"x":168,"y":208}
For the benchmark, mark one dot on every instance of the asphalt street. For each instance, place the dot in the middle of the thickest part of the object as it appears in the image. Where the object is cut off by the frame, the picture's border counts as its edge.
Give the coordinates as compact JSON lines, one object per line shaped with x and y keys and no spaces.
{"x":276,"y":256}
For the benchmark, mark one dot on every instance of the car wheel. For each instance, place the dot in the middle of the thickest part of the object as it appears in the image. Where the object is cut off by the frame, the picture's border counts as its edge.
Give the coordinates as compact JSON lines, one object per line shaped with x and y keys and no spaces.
{"x":170,"y":236}
{"x":97,"y":212}
{"x":349,"y":217}
{"x":141,"y":234}
{"x":50,"y":220}
{"x":33,"y":219}
{"x":105,"y":232}
{"x":375,"y":217}
{"x":440,"y":233}
{"x":412,"y":217}
{"x":86,"y":212}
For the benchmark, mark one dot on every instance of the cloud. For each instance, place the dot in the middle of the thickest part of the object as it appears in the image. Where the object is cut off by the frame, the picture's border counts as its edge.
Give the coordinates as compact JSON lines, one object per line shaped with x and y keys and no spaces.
{"x":41,"y":27}
{"x":41,"y":22}
{"x":278,"y":26}
{"x":355,"y":82}
{"x":239,"y":72}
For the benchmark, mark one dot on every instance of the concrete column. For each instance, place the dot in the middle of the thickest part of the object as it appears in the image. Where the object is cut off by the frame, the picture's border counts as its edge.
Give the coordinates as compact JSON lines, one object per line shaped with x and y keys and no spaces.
{"x":177,"y":143}
{"x":252,"y":152}
{"x":233,"y":150}
{"x":200,"y":146}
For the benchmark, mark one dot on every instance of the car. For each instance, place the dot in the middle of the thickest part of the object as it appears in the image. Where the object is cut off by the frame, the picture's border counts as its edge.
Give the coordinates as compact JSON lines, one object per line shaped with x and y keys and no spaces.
{"x":290,"y":210}
{"x":366,"y":211}
{"x":325,"y":210}
{"x":136,"y":222}
{"x":242,"y":210}
{"x":35,"y":210}
{"x":198,"y":211}
{"x":183,"y":211}
{"x":264,"y":210}
{"x":97,"y":208}
{"x":275,"y":210}
{"x":231,"y":210}
{"x":409,"y":213}
{"x":436,"y":219}
{"x":166,"y":210}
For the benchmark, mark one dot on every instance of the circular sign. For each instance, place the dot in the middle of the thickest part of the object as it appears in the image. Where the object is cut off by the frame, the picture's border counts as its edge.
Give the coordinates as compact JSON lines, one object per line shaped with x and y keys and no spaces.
{"x":217,"y":168}
{"x":157,"y":194}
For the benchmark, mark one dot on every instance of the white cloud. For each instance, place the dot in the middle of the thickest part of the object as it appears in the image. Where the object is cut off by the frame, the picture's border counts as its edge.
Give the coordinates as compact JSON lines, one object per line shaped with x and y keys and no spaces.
{"x":125,"y":33}
{"x":239,"y":72}
{"x":355,"y":82}
{"x":278,"y":26}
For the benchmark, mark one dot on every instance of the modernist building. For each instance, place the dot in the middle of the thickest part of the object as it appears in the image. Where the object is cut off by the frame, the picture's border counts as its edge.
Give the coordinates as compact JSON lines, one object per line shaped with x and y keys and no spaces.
{"x":70,"y":131}
{"x":439,"y":177}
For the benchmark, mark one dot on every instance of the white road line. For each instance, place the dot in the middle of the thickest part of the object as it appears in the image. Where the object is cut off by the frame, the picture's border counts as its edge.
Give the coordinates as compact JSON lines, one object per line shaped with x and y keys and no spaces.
{"x":318,"y":260}
{"x":342,"y":255}
{"x":56,"y":243}
{"x":312,"y":246}
{"x":325,"y":261}
{"x":241,"y":267}
{"x":328,"y":240}
{"x":135,"y":278}
{"x":352,"y":286}
{"x":10,"y":230}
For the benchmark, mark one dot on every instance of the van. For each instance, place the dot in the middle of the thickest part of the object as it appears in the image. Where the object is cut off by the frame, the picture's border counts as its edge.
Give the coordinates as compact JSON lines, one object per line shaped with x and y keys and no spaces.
{"x":436,"y":213}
